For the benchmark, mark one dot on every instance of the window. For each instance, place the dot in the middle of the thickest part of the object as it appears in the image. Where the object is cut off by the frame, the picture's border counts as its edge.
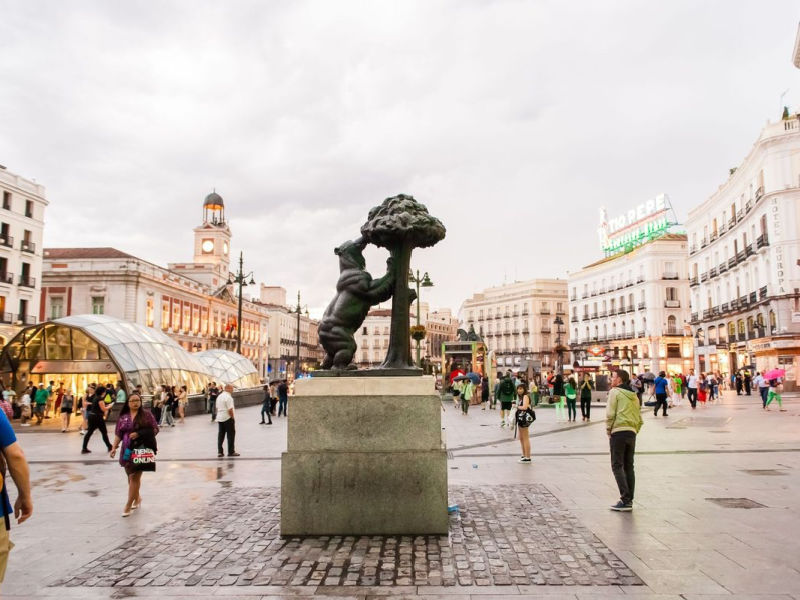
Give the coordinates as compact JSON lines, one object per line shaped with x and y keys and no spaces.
{"x":149,"y":313}
{"x":29,"y":208}
{"x":672,"y":324}
{"x":164,"y":313}
{"x":672,"y":293}
{"x":98,"y":305}
{"x":7,"y":200}
{"x":56,"y":308}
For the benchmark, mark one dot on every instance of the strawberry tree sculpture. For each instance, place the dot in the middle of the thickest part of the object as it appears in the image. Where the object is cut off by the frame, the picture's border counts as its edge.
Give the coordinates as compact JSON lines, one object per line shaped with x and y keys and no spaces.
{"x":401,"y":224}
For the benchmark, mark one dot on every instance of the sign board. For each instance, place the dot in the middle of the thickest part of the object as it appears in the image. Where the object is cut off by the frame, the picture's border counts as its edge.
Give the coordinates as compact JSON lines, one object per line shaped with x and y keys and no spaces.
{"x":638,"y":225}
{"x":74,"y":366}
{"x":795,"y":317}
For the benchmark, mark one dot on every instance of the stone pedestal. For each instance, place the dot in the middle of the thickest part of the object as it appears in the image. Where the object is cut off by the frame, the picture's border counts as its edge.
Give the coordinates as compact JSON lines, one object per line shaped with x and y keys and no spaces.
{"x":364,"y":457}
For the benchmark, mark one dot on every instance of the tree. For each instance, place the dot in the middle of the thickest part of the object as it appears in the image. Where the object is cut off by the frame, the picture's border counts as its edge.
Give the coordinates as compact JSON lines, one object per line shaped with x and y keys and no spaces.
{"x":401,"y":224}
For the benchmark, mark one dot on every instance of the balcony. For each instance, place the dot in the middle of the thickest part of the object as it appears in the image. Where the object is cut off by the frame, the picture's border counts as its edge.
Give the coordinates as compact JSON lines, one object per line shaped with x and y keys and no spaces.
{"x":722,"y":268}
{"x":731,"y":223}
{"x":27,"y":246}
{"x":584,"y":295}
{"x":619,"y":286}
{"x":692,"y":250}
{"x":7,"y":278}
{"x":693,"y":281}
{"x":741,"y":336}
{"x":743,"y":302}
{"x":621,"y":310}
{"x":731,"y":262}
{"x":759,"y":193}
{"x":561,"y":311}
{"x":26,"y":281}
{"x":573,"y":298}
{"x":594,"y":315}
{"x":712,"y":272}
{"x":722,"y":229}
{"x":672,"y":303}
{"x":603,"y":314}
{"x":713,"y":236}
{"x":753,"y":297}
{"x":545,"y":329}
{"x":740,"y":256}
{"x":629,"y":283}
{"x":640,"y":334}
{"x":7,"y":241}
{"x":725,"y":307}
{"x":6,"y":318}
{"x":640,"y":279}
{"x":630,"y":309}
{"x":672,"y":331}
{"x":525,"y":312}
{"x":585,"y":318}
{"x":704,"y":277}
{"x":762,"y":241}
{"x":574,"y":319}
{"x":693,"y":318}
{"x":707,"y":313}
{"x":641,"y":306}
{"x":750,"y":249}
{"x":26,"y":319}
{"x":739,"y":214}
{"x":515,"y":331}
{"x":762,"y":293}
{"x":748,"y":206}
{"x":593,"y":294}
{"x":544,"y":311}
{"x":703,"y":243}
{"x":669,"y":275}
{"x":525,"y":330}
{"x":734,"y":304}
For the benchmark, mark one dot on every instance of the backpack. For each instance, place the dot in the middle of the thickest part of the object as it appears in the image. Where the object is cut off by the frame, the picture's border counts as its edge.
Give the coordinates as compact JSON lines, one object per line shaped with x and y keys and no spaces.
{"x":507,"y":387}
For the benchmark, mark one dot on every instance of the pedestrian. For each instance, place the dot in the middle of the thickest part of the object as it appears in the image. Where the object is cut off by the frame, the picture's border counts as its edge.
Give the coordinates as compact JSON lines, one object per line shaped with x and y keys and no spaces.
{"x":558,"y":395}
{"x":12,"y":457}
{"x":661,"y":384}
{"x":691,"y":388}
{"x":484,"y":392}
{"x":226,"y":423}
{"x":702,"y":389}
{"x":273,"y":398}
{"x":40,"y":403}
{"x":763,"y":388}
{"x":265,"y":407}
{"x":677,"y":386}
{"x":213,"y":393}
{"x":505,"y":394}
{"x":136,"y":429}
{"x":496,"y":391}
{"x":283,"y":398}
{"x":95,"y":414}
{"x":25,"y":411}
{"x":747,"y":381}
{"x":683,"y":385}
{"x":586,"y":397}
{"x":524,"y":417}
{"x":67,"y":406}
{"x":467,"y":391}
{"x":59,"y":398}
{"x":739,"y":383}
{"x":83,"y":405}
{"x":183,"y":400}
{"x":119,"y":395}
{"x":50,"y":398}
{"x":571,"y":394}
{"x":156,"y":405}
{"x":775,"y":394}
{"x":167,"y":400}
{"x":534,"y":391}
{"x":623,"y":422}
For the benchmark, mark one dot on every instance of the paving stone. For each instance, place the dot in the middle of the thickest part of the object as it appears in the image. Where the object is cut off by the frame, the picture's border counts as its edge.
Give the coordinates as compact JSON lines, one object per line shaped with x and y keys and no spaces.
{"x":490,"y":544}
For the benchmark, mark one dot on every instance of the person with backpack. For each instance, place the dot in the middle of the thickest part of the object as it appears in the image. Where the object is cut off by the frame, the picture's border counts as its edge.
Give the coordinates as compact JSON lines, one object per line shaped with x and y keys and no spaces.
{"x":558,"y":394}
{"x":67,"y":406}
{"x":661,"y":386}
{"x":571,"y":394}
{"x":505,"y":394}
{"x":524,"y":418}
{"x":484,"y":392}
{"x":623,"y":422}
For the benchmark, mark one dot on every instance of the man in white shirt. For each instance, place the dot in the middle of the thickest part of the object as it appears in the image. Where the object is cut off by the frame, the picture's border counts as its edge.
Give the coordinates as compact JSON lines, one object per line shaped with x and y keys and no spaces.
{"x":763,"y":388}
{"x":225,"y":421}
{"x":691,"y":388}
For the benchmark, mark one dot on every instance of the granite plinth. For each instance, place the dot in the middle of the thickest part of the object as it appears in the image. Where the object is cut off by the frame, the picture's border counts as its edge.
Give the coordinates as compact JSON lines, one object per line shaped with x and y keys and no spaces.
{"x":411,"y":372}
{"x":364,"y":457}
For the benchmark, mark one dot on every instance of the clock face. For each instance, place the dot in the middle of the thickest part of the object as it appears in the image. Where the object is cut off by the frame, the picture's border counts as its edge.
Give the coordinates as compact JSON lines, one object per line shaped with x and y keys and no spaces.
{"x":208,"y":246}
{"x":225,"y":247}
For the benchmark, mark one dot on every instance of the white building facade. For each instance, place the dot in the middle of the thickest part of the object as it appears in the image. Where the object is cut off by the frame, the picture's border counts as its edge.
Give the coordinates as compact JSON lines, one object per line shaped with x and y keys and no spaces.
{"x":634,"y":308}
{"x":193,"y":303}
{"x":21,"y":226}
{"x":743,"y":256}
{"x":518,"y":321}
{"x":283,"y":338}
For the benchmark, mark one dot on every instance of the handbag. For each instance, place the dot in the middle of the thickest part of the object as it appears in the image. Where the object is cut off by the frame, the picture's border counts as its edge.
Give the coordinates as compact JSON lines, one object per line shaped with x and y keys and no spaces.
{"x":525,"y":417}
{"x":142,"y":455}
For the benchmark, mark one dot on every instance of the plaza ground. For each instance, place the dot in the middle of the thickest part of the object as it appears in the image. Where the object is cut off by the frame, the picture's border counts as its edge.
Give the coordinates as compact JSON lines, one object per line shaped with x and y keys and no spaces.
{"x":686,"y":538}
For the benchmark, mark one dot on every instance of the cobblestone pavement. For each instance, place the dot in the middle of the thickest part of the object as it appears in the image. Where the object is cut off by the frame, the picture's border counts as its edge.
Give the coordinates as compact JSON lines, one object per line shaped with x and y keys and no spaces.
{"x":502,"y":535}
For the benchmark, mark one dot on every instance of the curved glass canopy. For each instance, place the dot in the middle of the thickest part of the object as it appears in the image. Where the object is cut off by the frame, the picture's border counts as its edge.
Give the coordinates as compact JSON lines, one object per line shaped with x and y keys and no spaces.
{"x":229,"y":367}
{"x":99,"y":344}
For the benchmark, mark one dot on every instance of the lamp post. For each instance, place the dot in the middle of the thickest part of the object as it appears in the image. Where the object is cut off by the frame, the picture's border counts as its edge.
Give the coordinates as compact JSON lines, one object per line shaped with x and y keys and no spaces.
{"x":298,"y":310}
{"x":424,"y":281}
{"x":558,"y":323}
{"x":241,"y":279}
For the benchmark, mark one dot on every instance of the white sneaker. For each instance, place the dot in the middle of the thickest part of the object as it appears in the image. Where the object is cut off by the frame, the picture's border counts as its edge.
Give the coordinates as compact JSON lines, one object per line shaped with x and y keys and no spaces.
{"x":25,"y":424}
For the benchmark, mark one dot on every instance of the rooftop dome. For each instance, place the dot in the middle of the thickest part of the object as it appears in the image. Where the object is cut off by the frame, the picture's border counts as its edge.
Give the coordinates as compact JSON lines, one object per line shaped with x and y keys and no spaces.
{"x":213,"y":200}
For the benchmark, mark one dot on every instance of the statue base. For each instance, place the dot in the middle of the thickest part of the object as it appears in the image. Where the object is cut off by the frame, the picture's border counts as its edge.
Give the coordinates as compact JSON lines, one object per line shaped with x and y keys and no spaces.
{"x":364,"y":456}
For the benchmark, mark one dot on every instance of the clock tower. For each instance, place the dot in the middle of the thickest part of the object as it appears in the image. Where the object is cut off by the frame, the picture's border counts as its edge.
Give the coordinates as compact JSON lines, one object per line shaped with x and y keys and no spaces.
{"x":212,"y":239}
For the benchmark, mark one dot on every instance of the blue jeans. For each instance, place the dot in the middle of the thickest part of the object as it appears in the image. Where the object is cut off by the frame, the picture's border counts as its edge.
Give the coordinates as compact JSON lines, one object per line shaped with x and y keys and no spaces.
{"x":763,"y":391}
{"x":282,"y":407}
{"x":265,"y":410}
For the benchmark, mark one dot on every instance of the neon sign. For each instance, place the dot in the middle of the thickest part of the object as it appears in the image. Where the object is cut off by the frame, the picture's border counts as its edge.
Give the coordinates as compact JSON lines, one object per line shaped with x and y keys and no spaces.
{"x":637,"y":226}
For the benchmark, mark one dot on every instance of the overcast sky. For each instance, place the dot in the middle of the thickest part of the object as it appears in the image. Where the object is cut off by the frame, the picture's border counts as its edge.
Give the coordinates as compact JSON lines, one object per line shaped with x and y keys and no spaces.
{"x":512,"y":121}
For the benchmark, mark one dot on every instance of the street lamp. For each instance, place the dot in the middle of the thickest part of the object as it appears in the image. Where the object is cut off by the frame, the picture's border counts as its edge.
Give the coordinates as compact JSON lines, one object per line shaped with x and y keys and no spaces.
{"x":559,"y":350}
{"x":241,"y":279}
{"x":298,"y":310}
{"x":425,"y":281}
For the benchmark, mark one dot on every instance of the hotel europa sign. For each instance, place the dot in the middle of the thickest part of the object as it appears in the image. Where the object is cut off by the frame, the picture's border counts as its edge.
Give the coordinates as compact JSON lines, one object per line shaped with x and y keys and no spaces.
{"x":641,"y":224}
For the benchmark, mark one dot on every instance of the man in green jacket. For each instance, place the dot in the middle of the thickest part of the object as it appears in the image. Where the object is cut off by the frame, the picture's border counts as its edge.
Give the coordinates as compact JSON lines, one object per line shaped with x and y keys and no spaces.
{"x":40,"y":401}
{"x":623,"y":422}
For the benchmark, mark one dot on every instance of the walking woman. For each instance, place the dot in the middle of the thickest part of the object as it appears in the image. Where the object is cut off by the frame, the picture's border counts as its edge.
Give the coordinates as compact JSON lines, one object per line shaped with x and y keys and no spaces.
{"x":774,"y":394}
{"x":96,"y":416}
{"x":166,"y":407}
{"x":702,"y":389}
{"x":135,"y":423}
{"x":524,"y":417}
{"x":571,"y":394}
{"x":586,"y":396}
{"x":67,"y":406}
{"x":183,"y":399}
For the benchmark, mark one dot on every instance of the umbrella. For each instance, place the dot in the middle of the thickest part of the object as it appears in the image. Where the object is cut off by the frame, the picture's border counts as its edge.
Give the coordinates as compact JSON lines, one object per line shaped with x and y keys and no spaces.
{"x":461,"y":378}
{"x":775,"y":374}
{"x":649,"y":376}
{"x":474,"y":377}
